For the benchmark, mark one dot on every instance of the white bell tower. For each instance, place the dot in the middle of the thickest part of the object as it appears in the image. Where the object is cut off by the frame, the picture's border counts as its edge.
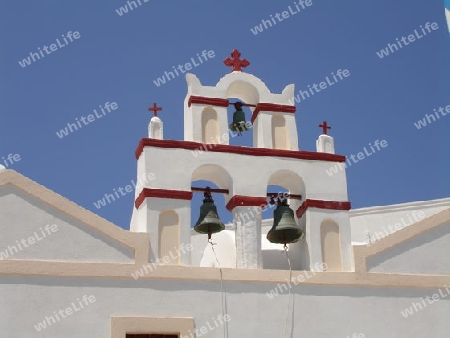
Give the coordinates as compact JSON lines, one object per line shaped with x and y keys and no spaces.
{"x":163,"y":205}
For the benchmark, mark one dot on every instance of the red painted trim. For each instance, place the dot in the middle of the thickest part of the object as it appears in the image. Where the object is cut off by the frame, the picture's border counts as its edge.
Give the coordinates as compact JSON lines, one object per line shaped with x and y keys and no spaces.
{"x":222,"y":148}
{"x":162,"y":193}
{"x":332,"y":205}
{"x":212,"y":101}
{"x":241,"y":201}
{"x":272,"y":108}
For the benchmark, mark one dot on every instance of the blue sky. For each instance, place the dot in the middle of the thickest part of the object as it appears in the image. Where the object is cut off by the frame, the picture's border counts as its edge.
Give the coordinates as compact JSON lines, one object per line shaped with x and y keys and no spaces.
{"x":116,"y":58}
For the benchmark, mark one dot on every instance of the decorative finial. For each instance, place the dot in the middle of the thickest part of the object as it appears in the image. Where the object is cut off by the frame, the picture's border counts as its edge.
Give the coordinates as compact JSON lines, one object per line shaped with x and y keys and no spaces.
{"x":155,"y":109}
{"x":235,"y":62}
{"x":324,"y":126}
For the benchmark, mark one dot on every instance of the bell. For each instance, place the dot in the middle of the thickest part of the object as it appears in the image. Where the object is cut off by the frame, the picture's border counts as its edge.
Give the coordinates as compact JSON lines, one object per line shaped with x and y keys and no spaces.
{"x":239,"y":124}
{"x":208,"y":221}
{"x":284,"y":229}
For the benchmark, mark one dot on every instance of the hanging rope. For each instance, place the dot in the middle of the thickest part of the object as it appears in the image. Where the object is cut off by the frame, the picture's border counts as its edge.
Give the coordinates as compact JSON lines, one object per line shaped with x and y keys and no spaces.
{"x":289,"y":290}
{"x":222,"y":293}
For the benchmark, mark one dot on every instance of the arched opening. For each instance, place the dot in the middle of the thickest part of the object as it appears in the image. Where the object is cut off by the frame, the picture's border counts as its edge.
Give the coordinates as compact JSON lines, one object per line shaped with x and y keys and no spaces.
{"x":215,"y":177}
{"x":271,"y":252}
{"x":280,"y":134}
{"x":246,"y":137}
{"x":210,"y":126}
{"x":247,"y":93}
{"x":169,"y":237}
{"x":331,"y":245}
{"x":284,"y":182}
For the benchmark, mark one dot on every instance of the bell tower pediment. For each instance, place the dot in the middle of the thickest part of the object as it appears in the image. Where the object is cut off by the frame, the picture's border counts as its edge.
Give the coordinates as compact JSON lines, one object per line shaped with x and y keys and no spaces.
{"x":272,"y":114}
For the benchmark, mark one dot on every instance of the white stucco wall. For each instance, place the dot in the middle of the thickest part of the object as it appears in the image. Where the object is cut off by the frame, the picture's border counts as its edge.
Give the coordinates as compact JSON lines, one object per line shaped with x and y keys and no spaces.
{"x":319,"y":311}
{"x":428,"y":253}
{"x":22,"y":217}
{"x":373,"y":220}
{"x":318,"y":184}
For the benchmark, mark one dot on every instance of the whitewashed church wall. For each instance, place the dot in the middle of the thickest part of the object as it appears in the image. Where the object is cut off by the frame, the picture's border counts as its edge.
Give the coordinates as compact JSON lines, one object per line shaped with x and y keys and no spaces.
{"x":49,"y":234}
{"x":319,"y":311}
{"x":376,"y":220}
{"x":427,"y":253}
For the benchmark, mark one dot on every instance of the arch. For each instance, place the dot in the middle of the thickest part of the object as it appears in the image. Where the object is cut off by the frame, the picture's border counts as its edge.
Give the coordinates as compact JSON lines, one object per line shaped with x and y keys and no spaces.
{"x":280,"y":134}
{"x":289,"y":180}
{"x":214,"y":173}
{"x":331,"y":245}
{"x":210,"y":126}
{"x":169,"y":237}
{"x":244,"y":86}
{"x":243,"y":91}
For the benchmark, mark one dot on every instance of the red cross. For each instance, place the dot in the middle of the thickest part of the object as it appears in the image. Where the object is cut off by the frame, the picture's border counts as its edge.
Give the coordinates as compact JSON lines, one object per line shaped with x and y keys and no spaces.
{"x":235,"y":62}
{"x":324,"y":126}
{"x":155,"y":109}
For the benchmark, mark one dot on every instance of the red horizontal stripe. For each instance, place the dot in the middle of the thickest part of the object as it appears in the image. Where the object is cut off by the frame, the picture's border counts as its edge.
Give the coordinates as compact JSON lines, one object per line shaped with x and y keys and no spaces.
{"x":223,"y":148}
{"x":162,"y":193}
{"x":272,"y":108}
{"x":241,"y":201}
{"x":321,"y":204}
{"x":211,"y":101}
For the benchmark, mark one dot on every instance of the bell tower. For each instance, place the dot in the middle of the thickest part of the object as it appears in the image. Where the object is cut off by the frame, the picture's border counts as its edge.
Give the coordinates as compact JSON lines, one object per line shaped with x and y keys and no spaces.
{"x":318,"y":202}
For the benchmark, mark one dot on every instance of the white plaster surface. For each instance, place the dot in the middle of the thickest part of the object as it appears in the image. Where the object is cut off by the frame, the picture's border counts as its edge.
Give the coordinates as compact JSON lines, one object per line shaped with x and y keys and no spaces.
{"x":427,"y":253}
{"x":155,"y":128}
{"x":367,"y":222}
{"x":225,"y":252}
{"x":147,"y":220}
{"x":325,"y":144}
{"x":21,"y":216}
{"x":318,"y":184}
{"x":314,"y":217}
{"x":319,"y":311}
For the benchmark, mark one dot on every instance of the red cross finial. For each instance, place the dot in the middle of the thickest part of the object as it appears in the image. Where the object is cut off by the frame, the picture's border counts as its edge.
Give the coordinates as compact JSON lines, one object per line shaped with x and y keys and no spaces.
{"x":324,"y":126}
{"x":235,"y":62}
{"x":155,"y":109}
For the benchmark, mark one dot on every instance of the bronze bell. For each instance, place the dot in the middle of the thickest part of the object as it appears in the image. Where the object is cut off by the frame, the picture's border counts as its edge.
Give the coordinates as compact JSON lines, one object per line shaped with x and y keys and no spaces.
{"x":284,"y":229}
{"x":239,"y":124}
{"x":208,"y":221}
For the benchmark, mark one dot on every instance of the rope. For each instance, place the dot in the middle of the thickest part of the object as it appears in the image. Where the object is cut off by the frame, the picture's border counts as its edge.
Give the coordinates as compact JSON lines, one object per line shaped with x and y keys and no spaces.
{"x":223,"y":295}
{"x":289,"y":289}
